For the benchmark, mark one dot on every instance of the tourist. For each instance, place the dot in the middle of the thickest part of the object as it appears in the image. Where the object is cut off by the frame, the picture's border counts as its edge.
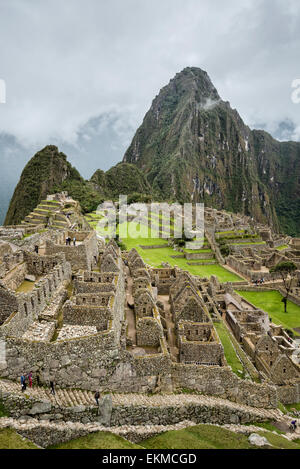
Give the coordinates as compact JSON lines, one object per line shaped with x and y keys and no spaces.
{"x":97,"y":397}
{"x":30,"y":379}
{"x":74,"y":241}
{"x":22,"y":382}
{"x":52,"y":390}
{"x":294,"y":425}
{"x":36,"y":249}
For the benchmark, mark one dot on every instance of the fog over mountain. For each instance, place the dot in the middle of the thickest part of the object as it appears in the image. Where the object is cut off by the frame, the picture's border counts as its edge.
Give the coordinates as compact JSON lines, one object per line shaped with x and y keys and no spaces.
{"x":81,"y":75}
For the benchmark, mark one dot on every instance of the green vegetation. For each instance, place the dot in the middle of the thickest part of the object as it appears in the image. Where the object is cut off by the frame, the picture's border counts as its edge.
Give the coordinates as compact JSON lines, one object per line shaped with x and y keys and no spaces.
{"x":278,"y":442}
{"x":267,"y":426}
{"x":286,"y":270}
{"x":281,"y":248}
{"x":47,"y":169}
{"x":229,"y":350}
{"x":98,"y":440}
{"x":198,"y":437}
{"x":289,"y":407}
{"x":9,"y":439}
{"x":25,"y":287}
{"x":270,"y":302}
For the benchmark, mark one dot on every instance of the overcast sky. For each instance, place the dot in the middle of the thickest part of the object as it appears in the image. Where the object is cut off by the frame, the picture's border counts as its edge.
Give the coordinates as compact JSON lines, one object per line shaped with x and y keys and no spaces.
{"x":82,"y":73}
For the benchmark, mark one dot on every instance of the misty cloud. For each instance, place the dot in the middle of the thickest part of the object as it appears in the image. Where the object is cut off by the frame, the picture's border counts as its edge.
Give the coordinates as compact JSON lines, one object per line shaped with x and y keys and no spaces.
{"x":82,"y":74}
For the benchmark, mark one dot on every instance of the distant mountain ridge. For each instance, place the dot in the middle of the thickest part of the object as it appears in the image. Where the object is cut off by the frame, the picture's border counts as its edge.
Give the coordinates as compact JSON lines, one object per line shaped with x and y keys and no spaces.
{"x":49,"y":171}
{"x":191,"y":146}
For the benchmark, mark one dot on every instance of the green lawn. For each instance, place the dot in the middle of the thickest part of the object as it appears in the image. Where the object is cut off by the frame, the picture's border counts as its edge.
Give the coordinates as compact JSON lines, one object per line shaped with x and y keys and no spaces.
{"x":280,"y":248}
{"x":9,"y":439}
{"x":198,"y":437}
{"x":271,"y":303}
{"x":155,"y":257}
{"x":136,"y":235}
{"x":278,"y":442}
{"x":98,"y":440}
{"x":229,"y":351}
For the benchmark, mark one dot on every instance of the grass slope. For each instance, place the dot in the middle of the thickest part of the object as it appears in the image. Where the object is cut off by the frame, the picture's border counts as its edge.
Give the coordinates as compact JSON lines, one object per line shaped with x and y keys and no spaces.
{"x":198,"y":437}
{"x":271,"y":303}
{"x":230,"y":354}
{"x":98,"y":440}
{"x":9,"y":439}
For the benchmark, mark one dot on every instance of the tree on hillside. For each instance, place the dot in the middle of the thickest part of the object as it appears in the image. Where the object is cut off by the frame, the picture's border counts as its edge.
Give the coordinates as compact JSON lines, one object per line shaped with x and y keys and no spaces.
{"x":286,"y":270}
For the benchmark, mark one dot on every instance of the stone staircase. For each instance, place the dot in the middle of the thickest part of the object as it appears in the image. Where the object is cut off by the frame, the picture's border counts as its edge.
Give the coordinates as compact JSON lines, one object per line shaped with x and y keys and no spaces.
{"x":63,"y":397}
{"x":68,"y":397}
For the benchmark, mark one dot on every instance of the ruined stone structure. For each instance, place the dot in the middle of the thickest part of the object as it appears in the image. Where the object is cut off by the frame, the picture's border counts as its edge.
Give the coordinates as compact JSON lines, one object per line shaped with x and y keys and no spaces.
{"x":91,"y":317}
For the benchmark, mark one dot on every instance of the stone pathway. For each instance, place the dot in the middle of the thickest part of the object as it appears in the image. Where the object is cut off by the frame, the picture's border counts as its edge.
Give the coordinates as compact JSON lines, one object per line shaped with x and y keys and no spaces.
{"x":74,"y":397}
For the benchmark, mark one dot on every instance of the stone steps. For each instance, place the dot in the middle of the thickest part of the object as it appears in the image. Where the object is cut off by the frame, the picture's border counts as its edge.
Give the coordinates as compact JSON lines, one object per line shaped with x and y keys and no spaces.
{"x":67,"y":397}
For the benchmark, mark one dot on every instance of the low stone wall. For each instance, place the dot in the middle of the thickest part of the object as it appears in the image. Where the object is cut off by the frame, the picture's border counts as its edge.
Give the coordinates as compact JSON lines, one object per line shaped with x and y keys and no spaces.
{"x":198,"y":255}
{"x":170,"y":415}
{"x":289,"y":394}
{"x":87,"y":315}
{"x":15,"y":277}
{"x":222,"y":382}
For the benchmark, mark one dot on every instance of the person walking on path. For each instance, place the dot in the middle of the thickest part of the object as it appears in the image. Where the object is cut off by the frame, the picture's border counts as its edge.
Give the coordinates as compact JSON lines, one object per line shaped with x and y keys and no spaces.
{"x":74,"y":241}
{"x":97,"y":397}
{"x":22,"y":383}
{"x":294,"y":425}
{"x":52,"y":390}
{"x":30,"y":379}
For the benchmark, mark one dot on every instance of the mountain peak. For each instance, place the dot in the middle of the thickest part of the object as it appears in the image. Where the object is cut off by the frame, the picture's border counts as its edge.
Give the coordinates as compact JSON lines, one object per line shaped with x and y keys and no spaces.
{"x":196,"y":80}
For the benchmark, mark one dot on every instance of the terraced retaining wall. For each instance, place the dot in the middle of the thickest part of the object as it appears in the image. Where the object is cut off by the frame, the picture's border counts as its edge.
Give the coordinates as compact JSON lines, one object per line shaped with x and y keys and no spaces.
{"x":221,"y":381}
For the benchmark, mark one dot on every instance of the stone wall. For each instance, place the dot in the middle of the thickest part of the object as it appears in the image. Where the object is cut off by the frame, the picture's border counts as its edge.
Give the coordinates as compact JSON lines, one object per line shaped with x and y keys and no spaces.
{"x":222,"y":382}
{"x":86,"y":315}
{"x":15,"y":277}
{"x":81,"y":256}
{"x":148,"y":332}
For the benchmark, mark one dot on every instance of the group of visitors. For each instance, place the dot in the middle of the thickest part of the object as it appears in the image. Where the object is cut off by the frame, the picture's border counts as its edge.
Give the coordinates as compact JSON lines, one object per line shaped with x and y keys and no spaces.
{"x":24,"y":379}
{"x":69,"y":240}
{"x":259,"y":281}
{"x":28,"y":378}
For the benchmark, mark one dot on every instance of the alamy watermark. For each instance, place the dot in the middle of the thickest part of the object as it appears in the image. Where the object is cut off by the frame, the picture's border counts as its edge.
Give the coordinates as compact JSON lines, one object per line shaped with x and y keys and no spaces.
{"x":295,"y":96}
{"x":155,"y":220}
{"x":2,"y":91}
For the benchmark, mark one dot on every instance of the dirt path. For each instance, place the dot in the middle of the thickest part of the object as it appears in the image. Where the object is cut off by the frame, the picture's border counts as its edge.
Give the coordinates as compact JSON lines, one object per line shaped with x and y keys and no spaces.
{"x":170,"y":327}
{"x":129,"y":312}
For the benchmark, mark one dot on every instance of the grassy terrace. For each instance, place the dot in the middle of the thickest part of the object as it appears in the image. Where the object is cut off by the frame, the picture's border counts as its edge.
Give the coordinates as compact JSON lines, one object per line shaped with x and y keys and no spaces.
{"x":280,"y":248}
{"x":203,"y":436}
{"x":271,"y":303}
{"x":98,"y":440}
{"x":211,"y":437}
{"x":134,"y":236}
{"x":9,"y":439}
{"x":230,"y":354}
{"x":155,"y":257}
